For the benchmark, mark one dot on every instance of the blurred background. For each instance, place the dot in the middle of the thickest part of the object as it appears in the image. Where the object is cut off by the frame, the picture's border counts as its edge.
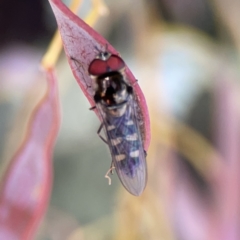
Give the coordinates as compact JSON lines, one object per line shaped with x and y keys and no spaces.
{"x":185,"y":55}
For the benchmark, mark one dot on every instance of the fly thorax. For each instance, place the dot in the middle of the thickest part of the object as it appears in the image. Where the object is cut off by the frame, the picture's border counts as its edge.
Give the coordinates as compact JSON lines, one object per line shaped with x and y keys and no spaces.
{"x":101,"y":86}
{"x":121,"y":95}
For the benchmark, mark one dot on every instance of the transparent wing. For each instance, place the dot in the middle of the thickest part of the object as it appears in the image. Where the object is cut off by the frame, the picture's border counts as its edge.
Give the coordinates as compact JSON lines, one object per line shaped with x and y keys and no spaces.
{"x":126,"y":146}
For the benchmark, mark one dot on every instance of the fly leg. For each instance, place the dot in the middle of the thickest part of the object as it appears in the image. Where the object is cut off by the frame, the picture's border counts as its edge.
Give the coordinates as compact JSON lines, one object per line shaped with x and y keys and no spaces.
{"x":92,"y":108}
{"x":100,"y":128}
{"x":145,"y":153}
{"x":136,"y":81}
{"x":98,"y":132}
{"x":110,"y":170}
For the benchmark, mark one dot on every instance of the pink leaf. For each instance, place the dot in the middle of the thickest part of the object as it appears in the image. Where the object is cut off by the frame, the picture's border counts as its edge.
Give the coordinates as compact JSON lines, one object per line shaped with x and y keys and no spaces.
{"x":80,"y":42}
{"x":213,"y":215}
{"x":26,"y":185}
{"x":227,"y":139}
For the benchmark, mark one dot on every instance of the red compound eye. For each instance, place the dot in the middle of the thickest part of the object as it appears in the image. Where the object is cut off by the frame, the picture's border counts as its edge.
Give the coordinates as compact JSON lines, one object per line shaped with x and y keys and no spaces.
{"x":97,"y":67}
{"x":115,"y":63}
{"x":100,"y":66}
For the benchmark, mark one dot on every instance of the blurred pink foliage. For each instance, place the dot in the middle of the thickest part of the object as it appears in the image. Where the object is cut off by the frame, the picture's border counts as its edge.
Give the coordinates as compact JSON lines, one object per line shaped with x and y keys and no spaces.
{"x":26,"y":184}
{"x":212,"y":214}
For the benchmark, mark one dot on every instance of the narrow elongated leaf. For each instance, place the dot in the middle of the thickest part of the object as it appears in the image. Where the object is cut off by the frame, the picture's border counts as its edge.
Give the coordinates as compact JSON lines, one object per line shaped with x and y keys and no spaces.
{"x":26,"y":185}
{"x":81,"y":43}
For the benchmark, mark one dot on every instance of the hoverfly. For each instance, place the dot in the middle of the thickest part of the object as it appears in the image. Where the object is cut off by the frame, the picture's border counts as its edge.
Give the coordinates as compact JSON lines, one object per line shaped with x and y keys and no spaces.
{"x":114,"y":99}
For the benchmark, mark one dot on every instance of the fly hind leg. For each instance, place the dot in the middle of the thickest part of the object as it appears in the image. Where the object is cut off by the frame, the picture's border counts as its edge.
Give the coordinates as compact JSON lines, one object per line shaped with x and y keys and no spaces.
{"x":99,"y":134}
{"x":111,"y":172}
